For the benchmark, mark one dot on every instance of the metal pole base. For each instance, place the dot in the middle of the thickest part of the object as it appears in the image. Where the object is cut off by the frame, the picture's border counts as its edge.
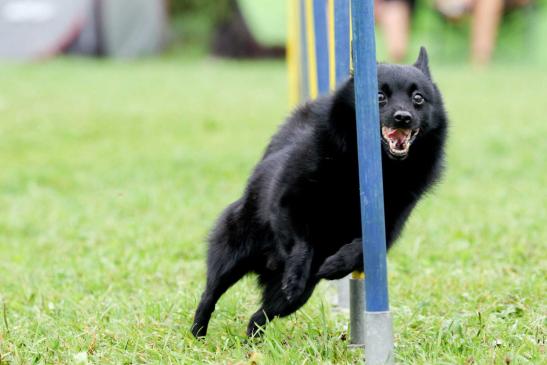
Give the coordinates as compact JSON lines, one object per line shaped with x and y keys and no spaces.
{"x":357,"y":310}
{"x":379,"y":338}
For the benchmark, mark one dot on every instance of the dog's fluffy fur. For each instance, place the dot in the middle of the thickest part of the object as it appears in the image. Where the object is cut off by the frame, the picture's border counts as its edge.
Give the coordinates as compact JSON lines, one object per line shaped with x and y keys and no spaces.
{"x":298,"y":220}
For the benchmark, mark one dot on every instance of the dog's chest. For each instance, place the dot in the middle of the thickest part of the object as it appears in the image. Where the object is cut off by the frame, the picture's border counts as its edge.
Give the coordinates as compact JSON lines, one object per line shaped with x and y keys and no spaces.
{"x":334,"y":212}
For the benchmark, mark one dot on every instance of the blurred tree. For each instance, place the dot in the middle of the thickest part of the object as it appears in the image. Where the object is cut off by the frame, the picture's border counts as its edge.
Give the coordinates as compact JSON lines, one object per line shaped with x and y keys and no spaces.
{"x":230,"y":34}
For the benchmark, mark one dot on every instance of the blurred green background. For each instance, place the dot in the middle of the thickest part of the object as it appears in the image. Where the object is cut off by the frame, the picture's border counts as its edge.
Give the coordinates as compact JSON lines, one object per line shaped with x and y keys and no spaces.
{"x":522,"y":36}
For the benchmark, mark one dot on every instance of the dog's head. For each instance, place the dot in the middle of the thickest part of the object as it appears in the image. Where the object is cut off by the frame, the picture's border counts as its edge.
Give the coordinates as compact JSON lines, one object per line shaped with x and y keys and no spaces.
{"x":408,"y":100}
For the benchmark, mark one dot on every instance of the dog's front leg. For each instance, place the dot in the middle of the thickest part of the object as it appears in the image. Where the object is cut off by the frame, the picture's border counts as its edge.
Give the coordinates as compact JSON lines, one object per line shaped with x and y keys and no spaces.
{"x":297,"y":270}
{"x":347,"y":259}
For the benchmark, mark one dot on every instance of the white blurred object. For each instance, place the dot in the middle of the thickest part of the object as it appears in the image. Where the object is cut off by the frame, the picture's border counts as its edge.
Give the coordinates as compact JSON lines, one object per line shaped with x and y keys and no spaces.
{"x":132,"y":28}
{"x":28,"y":11}
{"x":37,"y":29}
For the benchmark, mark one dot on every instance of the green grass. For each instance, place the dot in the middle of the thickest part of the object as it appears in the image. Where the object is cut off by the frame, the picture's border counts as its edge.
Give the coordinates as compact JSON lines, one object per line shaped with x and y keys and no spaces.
{"x":112,"y":173}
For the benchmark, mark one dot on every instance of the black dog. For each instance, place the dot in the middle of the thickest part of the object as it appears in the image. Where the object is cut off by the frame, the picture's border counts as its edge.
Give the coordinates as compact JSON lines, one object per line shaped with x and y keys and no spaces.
{"x":299,"y":218}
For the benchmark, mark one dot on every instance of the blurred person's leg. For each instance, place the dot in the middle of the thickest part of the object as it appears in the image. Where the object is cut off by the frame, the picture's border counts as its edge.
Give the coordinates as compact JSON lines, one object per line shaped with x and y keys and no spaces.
{"x":486,"y":19}
{"x":378,"y":10}
{"x":394,"y":18}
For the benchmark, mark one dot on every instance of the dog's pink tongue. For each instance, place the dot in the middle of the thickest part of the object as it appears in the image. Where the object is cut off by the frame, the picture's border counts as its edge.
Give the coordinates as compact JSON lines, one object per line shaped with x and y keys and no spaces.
{"x":399,"y":135}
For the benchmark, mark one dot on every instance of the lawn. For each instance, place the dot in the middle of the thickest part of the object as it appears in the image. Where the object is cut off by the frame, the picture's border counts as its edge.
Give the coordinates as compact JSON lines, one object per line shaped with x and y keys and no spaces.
{"x":112,"y":173}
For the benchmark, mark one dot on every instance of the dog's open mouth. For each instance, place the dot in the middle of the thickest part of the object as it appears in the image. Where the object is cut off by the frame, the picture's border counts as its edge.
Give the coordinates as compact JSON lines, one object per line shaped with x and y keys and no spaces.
{"x":398,"y":140}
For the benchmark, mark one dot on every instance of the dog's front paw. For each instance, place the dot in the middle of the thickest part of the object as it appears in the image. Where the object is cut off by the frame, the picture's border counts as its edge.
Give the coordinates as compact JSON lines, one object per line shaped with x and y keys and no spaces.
{"x":292,"y":287}
{"x":332,"y":269}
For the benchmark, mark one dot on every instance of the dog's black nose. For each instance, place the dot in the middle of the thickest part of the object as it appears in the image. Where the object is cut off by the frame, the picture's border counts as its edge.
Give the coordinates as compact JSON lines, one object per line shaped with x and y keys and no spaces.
{"x":402,"y":117}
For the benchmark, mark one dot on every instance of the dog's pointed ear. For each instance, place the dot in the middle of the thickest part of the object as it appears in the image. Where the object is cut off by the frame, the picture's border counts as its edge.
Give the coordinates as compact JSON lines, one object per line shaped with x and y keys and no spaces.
{"x":422,"y":63}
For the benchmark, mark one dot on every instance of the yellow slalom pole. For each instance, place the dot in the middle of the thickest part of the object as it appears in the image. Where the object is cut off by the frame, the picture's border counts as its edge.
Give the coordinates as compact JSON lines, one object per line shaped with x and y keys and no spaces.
{"x":312,"y":59}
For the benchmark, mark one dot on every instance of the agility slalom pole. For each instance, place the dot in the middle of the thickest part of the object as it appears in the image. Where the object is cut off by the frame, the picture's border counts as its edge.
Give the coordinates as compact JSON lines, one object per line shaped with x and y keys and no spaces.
{"x":378,"y":329}
{"x":342,"y":39}
{"x":351,"y":292}
{"x":322,"y":32}
{"x":331,"y":23}
{"x":310,"y":45}
{"x":304,"y":72}
{"x":357,"y":309}
{"x":317,"y":47}
{"x":321,"y":26}
{"x":340,"y":44}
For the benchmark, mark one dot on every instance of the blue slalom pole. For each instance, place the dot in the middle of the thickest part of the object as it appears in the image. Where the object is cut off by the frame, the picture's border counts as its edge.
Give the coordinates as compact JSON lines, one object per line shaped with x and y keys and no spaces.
{"x":351,"y":293}
{"x":321,"y":45}
{"x":378,"y":324}
{"x":342,"y":42}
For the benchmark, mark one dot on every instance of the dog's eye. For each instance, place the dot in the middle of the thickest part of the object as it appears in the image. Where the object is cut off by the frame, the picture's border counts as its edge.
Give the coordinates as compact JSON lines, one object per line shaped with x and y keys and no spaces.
{"x":418,"y":99}
{"x":382,"y":98}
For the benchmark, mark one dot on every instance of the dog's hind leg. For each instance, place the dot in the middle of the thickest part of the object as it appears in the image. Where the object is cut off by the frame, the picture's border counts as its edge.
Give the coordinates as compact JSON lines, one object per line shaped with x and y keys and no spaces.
{"x":225,"y":266}
{"x":275,"y":304}
{"x":297,"y":270}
